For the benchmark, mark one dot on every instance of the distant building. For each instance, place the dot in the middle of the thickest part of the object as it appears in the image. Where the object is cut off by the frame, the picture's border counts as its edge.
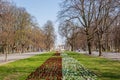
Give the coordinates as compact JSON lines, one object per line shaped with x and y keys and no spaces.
{"x":61,"y":47}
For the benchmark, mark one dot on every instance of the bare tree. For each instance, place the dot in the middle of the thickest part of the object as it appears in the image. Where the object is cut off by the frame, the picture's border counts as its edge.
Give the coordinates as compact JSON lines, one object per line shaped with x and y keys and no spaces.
{"x":82,"y":11}
{"x":115,"y":36}
{"x":95,"y":16}
{"x":49,"y":35}
{"x":7,"y":19}
{"x":69,"y":31}
{"x":18,"y":30}
{"x":105,"y":13}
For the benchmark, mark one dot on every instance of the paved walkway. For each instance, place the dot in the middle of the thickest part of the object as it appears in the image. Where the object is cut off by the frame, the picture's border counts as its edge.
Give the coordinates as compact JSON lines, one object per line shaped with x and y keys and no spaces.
{"x":17,"y":56}
{"x":110,"y":55}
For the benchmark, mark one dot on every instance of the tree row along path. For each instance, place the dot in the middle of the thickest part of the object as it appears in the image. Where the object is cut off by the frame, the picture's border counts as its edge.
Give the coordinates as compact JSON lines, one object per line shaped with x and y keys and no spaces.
{"x":61,"y":67}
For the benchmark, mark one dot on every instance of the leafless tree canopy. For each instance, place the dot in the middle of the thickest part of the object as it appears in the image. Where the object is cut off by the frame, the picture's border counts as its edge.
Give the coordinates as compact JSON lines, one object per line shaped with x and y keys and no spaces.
{"x":96,"y":17}
{"x":49,"y":35}
{"x":70,"y":31}
{"x":19,"y":31}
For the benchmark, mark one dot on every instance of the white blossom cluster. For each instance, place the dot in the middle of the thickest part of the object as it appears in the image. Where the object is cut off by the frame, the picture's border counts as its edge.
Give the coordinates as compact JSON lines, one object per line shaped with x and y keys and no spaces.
{"x":73,"y":70}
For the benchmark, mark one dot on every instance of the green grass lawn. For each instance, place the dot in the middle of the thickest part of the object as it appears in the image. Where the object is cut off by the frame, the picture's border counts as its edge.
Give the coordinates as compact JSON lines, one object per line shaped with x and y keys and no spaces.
{"x":105,"y":69}
{"x":20,"y":69}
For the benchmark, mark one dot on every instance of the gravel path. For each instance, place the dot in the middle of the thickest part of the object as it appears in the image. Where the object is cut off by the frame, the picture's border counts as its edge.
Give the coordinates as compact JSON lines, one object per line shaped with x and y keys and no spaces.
{"x":17,"y":56}
{"x":109,"y":55}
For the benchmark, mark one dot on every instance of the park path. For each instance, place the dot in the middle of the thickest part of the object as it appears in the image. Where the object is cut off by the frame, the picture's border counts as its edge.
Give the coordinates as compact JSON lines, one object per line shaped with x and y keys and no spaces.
{"x":17,"y":56}
{"x":109,"y":55}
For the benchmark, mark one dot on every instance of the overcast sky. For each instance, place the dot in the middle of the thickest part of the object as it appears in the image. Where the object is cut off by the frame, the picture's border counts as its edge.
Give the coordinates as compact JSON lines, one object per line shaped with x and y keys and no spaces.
{"x":43,"y":10}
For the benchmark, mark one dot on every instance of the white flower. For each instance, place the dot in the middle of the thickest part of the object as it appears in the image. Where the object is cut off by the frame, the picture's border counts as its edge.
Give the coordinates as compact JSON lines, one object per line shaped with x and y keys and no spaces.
{"x":73,"y":70}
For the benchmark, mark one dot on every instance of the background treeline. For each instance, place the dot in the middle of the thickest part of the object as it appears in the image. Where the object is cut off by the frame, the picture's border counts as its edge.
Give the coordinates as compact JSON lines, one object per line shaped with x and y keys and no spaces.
{"x":91,"y":24}
{"x":20,"y":32}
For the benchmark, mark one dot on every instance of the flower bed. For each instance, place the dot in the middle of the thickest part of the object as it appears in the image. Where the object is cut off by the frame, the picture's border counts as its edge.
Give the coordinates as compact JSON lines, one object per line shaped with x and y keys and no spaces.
{"x":50,"y":70}
{"x":61,"y":68}
{"x":73,"y":70}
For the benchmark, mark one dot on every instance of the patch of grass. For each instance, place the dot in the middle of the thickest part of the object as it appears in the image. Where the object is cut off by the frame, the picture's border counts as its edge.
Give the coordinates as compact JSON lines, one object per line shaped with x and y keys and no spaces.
{"x":20,"y":69}
{"x":105,"y":69}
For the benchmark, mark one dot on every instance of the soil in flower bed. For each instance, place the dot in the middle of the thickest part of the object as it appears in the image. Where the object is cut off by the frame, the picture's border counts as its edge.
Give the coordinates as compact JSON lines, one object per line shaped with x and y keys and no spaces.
{"x":49,"y":70}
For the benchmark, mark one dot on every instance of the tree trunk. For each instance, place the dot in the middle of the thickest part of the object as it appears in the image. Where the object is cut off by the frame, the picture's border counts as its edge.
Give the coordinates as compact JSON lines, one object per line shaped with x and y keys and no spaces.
{"x":88,"y":43}
{"x":89,"y":47}
{"x":100,"y":48}
{"x":2,"y":50}
{"x":5,"y":52}
{"x":72,"y":48}
{"x":5,"y":56}
{"x":99,"y":44}
{"x":107,"y":43}
{"x":22,"y":47}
